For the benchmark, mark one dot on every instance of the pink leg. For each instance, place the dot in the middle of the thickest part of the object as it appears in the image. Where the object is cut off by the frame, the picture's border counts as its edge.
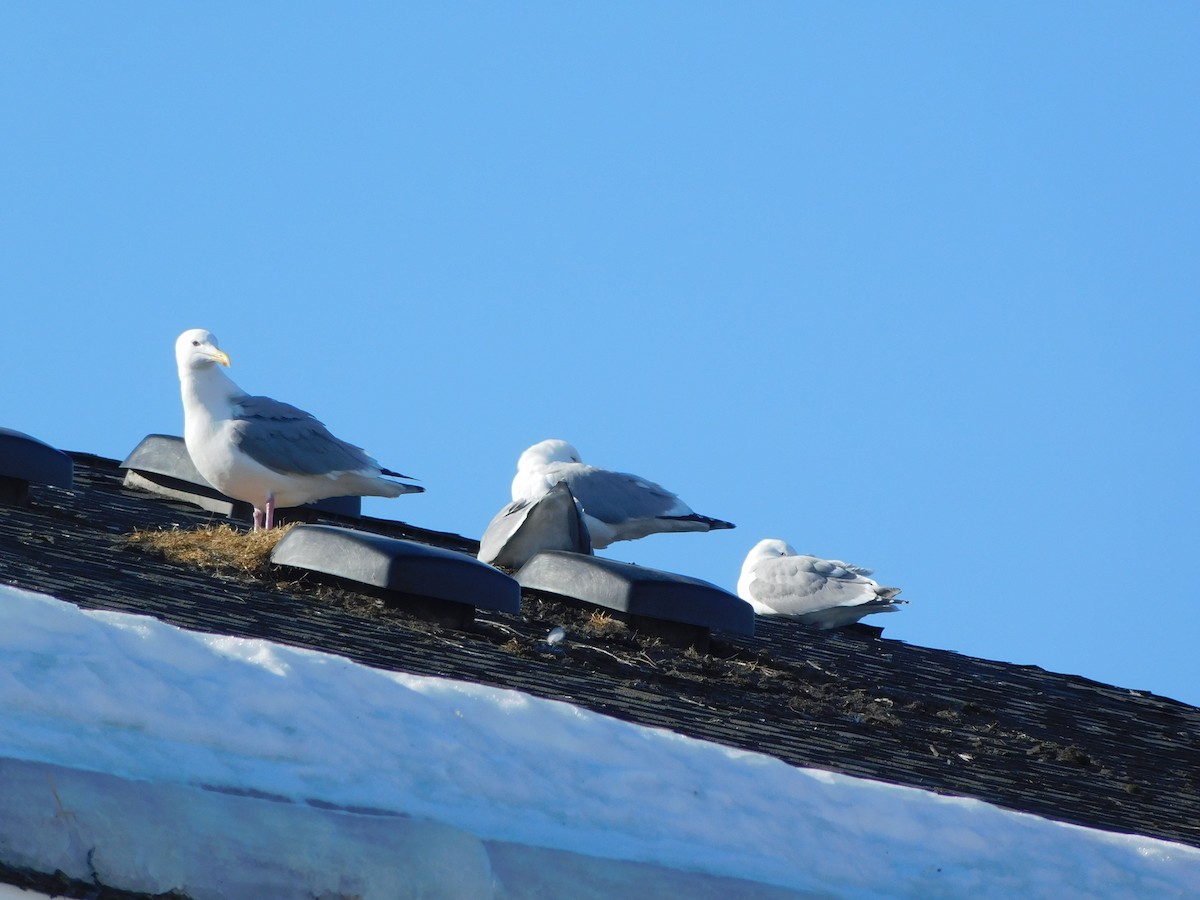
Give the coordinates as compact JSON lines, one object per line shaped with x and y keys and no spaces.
{"x":270,"y":511}
{"x":258,"y":519}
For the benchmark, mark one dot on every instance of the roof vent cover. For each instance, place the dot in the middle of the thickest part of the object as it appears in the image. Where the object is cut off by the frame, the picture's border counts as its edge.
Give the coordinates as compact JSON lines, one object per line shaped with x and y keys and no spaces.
{"x":25,"y":460}
{"x":398,"y":566}
{"x":641,"y":593}
{"x":521,"y":529}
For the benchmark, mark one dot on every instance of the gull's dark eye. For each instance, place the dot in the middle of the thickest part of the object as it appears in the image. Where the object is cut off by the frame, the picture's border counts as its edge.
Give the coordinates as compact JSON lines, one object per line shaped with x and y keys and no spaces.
{"x":195,"y":343}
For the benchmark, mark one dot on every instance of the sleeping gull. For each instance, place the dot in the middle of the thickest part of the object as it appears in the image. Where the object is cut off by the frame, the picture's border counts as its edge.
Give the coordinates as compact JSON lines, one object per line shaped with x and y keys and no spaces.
{"x":616,"y":506}
{"x":828,"y":593}
{"x":261,"y":451}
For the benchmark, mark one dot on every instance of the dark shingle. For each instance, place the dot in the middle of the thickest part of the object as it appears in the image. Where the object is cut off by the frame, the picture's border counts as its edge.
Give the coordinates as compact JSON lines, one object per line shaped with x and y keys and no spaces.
{"x":848,"y":701}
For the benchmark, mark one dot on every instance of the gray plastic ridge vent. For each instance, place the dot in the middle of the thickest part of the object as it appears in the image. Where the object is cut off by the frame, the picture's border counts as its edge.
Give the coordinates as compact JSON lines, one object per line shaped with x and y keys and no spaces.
{"x":645,"y":595}
{"x":521,"y":529}
{"x":404,"y":570}
{"x":25,"y":460}
{"x":161,"y":464}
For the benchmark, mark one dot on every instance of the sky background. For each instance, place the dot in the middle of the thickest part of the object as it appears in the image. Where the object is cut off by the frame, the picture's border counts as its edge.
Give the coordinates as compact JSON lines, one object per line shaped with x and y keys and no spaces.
{"x":914,"y":286}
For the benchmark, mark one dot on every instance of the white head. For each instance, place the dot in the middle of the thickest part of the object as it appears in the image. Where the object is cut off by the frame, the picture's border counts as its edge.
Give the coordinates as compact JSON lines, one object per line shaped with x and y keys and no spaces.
{"x":197,"y":349}
{"x":769,"y":547}
{"x":546,"y":452}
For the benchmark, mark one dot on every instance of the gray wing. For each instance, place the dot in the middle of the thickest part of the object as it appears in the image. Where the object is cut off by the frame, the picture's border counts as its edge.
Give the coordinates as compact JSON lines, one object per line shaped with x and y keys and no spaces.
{"x":834,"y":569}
{"x":857,"y":570}
{"x":615,"y":497}
{"x":286,"y":439}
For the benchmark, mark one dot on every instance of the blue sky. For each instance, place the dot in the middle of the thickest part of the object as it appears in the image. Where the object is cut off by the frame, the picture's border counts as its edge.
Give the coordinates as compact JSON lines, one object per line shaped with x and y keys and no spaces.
{"x":914,"y":286}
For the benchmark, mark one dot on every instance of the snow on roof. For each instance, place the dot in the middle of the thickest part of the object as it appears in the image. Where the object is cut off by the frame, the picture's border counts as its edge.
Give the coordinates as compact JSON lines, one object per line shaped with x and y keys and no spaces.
{"x":241,"y":742}
{"x":848,"y":702}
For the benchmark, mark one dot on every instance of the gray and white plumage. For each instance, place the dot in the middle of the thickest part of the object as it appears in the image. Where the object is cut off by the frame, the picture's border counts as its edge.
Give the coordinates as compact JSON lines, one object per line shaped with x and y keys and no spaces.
{"x":263,"y":451}
{"x":828,"y":593}
{"x":526,"y":527}
{"x":616,"y":506}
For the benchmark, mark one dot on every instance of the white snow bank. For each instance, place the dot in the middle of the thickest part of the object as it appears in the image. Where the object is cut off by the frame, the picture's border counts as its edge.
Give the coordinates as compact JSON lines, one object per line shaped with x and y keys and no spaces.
{"x":215,"y":716}
{"x":8,"y":892}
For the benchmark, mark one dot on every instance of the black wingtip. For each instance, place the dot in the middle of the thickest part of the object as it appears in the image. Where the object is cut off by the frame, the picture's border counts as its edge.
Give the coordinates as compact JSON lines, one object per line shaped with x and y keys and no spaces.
{"x":713,"y":524}
{"x":392,"y":474}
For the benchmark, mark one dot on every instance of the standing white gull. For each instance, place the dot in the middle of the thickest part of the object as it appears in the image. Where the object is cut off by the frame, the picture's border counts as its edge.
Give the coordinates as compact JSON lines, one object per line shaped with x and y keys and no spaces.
{"x":616,"y":506}
{"x":261,"y":451}
{"x":828,"y":593}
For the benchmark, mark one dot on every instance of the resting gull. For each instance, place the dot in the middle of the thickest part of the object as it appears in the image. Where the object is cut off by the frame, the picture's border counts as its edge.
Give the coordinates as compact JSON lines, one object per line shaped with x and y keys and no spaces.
{"x":828,"y":593}
{"x":616,"y":506}
{"x":262,"y":451}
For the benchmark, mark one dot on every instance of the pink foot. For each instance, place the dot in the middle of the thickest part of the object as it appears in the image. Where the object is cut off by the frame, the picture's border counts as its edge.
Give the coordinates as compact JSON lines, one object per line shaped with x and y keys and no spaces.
{"x":258,"y":519}
{"x":270,"y":511}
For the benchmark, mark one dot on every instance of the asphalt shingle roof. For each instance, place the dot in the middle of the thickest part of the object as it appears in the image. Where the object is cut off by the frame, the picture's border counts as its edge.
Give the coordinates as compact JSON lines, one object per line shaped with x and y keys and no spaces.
{"x":848,"y":701}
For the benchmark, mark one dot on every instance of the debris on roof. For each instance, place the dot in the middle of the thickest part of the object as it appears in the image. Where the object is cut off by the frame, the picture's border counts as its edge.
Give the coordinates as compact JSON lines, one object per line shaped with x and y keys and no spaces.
{"x":214,"y":547}
{"x":847,"y":701}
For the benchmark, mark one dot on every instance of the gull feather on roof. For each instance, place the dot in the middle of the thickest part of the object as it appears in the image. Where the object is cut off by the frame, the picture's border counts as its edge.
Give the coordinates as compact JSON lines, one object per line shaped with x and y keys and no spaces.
{"x":262,"y":451}
{"x":616,"y":506}
{"x":829,"y":593}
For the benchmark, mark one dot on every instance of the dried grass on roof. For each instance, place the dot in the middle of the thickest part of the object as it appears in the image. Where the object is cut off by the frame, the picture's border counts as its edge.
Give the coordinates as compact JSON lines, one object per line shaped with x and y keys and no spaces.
{"x":213,"y":547}
{"x":601,"y":624}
